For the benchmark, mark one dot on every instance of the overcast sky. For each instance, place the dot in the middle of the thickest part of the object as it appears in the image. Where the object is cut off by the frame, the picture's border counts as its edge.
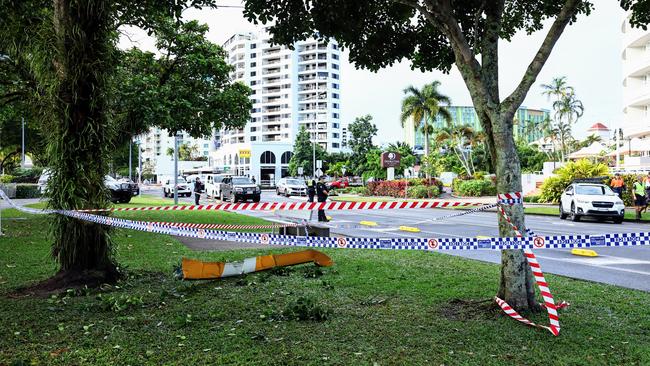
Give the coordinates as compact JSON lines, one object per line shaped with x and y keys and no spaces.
{"x":588,"y":54}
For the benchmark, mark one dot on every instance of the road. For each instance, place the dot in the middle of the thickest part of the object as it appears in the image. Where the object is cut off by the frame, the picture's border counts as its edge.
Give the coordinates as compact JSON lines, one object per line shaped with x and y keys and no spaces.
{"x":624,"y":266}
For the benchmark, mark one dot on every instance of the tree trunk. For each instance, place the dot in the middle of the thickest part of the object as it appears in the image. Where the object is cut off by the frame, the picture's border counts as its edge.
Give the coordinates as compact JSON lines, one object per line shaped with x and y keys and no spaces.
{"x":426,"y":145}
{"x":77,"y":141}
{"x":516,"y":284}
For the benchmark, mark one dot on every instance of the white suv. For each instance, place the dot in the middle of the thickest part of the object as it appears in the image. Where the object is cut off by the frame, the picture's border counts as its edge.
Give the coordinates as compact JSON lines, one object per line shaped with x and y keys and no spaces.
{"x":591,"y":199}
{"x":183,"y":188}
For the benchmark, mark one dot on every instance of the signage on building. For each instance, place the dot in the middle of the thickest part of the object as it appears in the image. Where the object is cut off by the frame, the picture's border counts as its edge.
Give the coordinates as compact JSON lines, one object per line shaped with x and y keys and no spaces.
{"x":390,"y":160}
{"x":244,"y":153}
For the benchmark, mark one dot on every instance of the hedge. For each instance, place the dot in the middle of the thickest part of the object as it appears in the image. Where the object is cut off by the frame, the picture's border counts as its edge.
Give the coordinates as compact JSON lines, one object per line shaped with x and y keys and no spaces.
{"x":397,"y":188}
{"x":474,"y":187}
{"x":423,"y":192}
{"x":27,"y":191}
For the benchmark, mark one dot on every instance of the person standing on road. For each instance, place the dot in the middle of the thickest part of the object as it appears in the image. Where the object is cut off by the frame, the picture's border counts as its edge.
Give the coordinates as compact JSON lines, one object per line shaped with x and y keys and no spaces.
{"x":646,"y":183}
{"x":322,"y":193}
{"x":311,"y":190}
{"x":639,"y":197}
{"x":618,"y":185}
{"x":198,"y":186}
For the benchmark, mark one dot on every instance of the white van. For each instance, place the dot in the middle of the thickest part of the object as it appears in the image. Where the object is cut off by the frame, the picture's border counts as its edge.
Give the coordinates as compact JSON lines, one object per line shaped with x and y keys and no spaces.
{"x":212,"y":184}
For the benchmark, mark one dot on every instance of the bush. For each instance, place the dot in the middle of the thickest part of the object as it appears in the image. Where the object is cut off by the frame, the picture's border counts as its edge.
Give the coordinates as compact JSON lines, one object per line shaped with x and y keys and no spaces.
{"x":476,"y":188}
{"x":423,"y":192}
{"x":304,"y":309}
{"x":531,"y":199}
{"x":27,"y":175}
{"x":27,"y":191}
{"x":6,"y":178}
{"x":396,"y":188}
{"x":552,"y":187}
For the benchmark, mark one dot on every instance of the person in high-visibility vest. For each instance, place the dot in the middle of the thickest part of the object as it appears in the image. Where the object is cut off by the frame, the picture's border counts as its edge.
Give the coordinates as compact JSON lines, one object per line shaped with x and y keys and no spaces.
{"x":639,"y":197}
{"x":311,"y":189}
{"x":618,"y":185}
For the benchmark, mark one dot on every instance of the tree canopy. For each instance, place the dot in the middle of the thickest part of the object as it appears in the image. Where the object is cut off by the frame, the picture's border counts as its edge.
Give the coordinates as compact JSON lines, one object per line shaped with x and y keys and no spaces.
{"x":361,"y":131}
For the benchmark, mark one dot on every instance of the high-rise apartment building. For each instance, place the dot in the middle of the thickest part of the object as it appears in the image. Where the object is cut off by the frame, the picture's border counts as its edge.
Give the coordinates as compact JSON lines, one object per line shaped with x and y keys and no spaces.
{"x":636,"y":97}
{"x":525,"y":119}
{"x":292,"y":88}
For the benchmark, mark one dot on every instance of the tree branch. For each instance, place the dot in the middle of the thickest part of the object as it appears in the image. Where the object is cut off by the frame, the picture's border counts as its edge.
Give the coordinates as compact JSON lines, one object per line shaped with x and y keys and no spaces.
{"x":514,"y":100}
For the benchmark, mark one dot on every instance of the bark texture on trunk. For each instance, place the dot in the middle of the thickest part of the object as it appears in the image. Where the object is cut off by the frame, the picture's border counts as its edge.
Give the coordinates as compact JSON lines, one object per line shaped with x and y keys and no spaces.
{"x":77,"y":143}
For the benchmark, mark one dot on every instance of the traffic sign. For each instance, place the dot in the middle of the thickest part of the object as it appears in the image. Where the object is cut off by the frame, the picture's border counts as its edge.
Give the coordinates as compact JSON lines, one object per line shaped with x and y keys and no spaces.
{"x":319,"y":164}
{"x":319,"y":172}
{"x":301,"y":170}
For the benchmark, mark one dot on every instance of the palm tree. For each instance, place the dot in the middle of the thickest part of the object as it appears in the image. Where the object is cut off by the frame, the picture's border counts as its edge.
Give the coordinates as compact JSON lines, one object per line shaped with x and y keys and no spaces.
{"x":557,"y":88}
{"x":461,"y":140}
{"x":423,"y":106}
{"x":568,"y":106}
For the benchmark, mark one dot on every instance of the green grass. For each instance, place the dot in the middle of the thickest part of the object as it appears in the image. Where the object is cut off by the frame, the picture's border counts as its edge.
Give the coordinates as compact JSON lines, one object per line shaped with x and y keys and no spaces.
{"x":384,"y":307}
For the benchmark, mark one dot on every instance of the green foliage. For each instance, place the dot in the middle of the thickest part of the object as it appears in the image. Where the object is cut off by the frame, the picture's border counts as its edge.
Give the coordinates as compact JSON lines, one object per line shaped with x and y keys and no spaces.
{"x":407,"y":156}
{"x":531,"y":159}
{"x":303,"y":154}
{"x":628,"y":192}
{"x":30,"y":175}
{"x":552,"y":187}
{"x":474,"y":187}
{"x":186,"y":152}
{"x":419,"y":191}
{"x":304,"y":309}
{"x":119,"y":303}
{"x":531,"y":199}
{"x":361,"y":131}
{"x":6,"y":178}
{"x":336,"y":169}
{"x":27,"y":191}
{"x":372,"y":165}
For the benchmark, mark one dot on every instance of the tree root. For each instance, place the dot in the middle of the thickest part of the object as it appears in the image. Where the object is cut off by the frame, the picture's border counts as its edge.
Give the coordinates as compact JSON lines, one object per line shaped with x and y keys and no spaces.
{"x":65,"y":280}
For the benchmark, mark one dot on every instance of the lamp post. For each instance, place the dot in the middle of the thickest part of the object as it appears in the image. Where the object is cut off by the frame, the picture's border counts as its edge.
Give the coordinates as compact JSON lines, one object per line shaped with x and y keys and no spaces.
{"x":313,"y":156}
{"x":22,"y":160}
{"x":175,"y":169}
{"x":130,"y":158}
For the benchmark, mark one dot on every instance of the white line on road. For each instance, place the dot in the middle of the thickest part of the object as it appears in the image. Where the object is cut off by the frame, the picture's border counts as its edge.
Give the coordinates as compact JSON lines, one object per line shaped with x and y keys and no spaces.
{"x":573,"y":261}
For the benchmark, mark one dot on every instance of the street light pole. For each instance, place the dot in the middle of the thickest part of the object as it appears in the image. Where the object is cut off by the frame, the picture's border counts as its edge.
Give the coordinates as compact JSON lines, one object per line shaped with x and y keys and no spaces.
{"x":175,"y":169}
{"x":22,"y":160}
{"x":130,"y":158}
{"x":313,"y":156}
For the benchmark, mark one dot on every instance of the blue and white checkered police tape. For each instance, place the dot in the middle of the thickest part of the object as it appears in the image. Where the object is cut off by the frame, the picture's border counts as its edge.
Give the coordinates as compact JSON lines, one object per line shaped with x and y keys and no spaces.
{"x":402,"y":243}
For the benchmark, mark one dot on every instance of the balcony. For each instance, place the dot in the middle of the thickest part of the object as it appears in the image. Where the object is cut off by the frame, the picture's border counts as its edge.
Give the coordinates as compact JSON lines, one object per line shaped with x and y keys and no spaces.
{"x":272,"y":51}
{"x":273,"y":61}
{"x":271,"y":91}
{"x":271,"y":71}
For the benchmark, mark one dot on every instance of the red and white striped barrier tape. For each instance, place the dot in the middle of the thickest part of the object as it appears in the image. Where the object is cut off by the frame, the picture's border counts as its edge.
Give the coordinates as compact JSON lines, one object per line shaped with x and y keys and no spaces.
{"x":220,"y":226}
{"x":269,"y":206}
{"x":549,"y":302}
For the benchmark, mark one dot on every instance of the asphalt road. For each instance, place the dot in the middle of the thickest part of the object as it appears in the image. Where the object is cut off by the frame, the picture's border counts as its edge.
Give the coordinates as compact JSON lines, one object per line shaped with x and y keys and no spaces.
{"x":623,"y":266}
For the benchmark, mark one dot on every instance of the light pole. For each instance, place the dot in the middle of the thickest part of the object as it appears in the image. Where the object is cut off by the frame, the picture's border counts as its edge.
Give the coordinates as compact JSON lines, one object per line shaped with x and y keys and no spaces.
{"x":139,"y":163}
{"x":313,"y":156}
{"x":130,"y":158}
{"x":22,"y":160}
{"x":175,"y":169}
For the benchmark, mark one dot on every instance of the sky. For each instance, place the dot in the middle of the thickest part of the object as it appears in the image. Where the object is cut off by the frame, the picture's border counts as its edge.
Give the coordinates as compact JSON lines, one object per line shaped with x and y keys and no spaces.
{"x":588,"y":54}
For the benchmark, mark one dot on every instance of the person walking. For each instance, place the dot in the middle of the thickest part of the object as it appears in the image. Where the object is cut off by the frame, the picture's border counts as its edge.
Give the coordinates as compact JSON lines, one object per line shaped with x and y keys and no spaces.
{"x":639,"y":197}
{"x":618,"y":185}
{"x":198,"y":187}
{"x":322,"y":193}
{"x":311,"y":190}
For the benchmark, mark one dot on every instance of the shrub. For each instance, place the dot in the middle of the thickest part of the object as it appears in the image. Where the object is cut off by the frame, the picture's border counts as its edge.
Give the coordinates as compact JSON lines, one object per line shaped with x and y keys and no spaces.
{"x":27,"y":175}
{"x":476,"y":188}
{"x":27,"y":191}
{"x":6,"y":178}
{"x":552,"y":187}
{"x":531,"y":199}
{"x":396,"y":188}
{"x":423,"y":192}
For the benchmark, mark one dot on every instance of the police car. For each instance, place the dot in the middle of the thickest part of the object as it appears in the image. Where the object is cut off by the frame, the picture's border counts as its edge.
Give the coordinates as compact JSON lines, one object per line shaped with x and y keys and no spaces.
{"x":588,"y":198}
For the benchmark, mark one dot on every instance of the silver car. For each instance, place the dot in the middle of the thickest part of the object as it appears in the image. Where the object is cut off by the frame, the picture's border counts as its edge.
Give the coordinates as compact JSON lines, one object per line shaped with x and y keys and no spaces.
{"x":291,"y":187}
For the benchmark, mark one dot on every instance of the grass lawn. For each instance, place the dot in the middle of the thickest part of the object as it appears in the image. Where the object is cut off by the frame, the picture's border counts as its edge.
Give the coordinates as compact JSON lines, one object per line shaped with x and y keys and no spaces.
{"x":383,"y":307}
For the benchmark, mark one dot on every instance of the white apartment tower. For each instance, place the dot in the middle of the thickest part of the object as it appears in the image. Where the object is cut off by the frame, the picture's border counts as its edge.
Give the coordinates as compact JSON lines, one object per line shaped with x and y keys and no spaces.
{"x":291,"y":89}
{"x":636,"y":94}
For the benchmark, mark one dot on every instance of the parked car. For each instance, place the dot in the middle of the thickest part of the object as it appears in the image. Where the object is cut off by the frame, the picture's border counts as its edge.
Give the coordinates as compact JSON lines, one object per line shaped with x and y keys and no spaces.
{"x":120,"y":191}
{"x":213,"y":184}
{"x":183,"y":188}
{"x":591,"y":199}
{"x":291,"y":187}
{"x":127,"y":180}
{"x":339,"y":183}
{"x":236,"y":189}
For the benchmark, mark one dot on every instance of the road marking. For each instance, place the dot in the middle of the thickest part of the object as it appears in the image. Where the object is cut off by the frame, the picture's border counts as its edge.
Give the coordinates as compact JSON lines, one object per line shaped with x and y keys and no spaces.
{"x":585,"y":263}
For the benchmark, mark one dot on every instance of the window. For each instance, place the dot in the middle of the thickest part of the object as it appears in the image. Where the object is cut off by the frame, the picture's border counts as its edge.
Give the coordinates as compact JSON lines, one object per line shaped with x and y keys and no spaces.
{"x":205,"y":146}
{"x":286,"y":157}
{"x":335,"y":115}
{"x":253,"y":55}
{"x":267,"y":157}
{"x":205,"y":153}
{"x":335,"y":145}
{"x":335,"y":47}
{"x":335,"y":66}
{"x":335,"y":56}
{"x":335,"y":76}
{"x":335,"y":85}
{"x":253,"y":129}
{"x":286,"y":66}
{"x":253,"y":73}
{"x":253,"y":138}
{"x":253,"y":64}
{"x":335,"y":96}
{"x":253,"y":82}
{"x":335,"y":135}
{"x":335,"y":125}
{"x":335,"y":105}
{"x":253,"y":45}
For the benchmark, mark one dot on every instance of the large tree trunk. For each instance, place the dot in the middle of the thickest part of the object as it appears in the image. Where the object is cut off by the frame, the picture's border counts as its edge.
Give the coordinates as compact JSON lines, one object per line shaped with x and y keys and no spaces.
{"x":516,"y":285}
{"x":77,"y":142}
